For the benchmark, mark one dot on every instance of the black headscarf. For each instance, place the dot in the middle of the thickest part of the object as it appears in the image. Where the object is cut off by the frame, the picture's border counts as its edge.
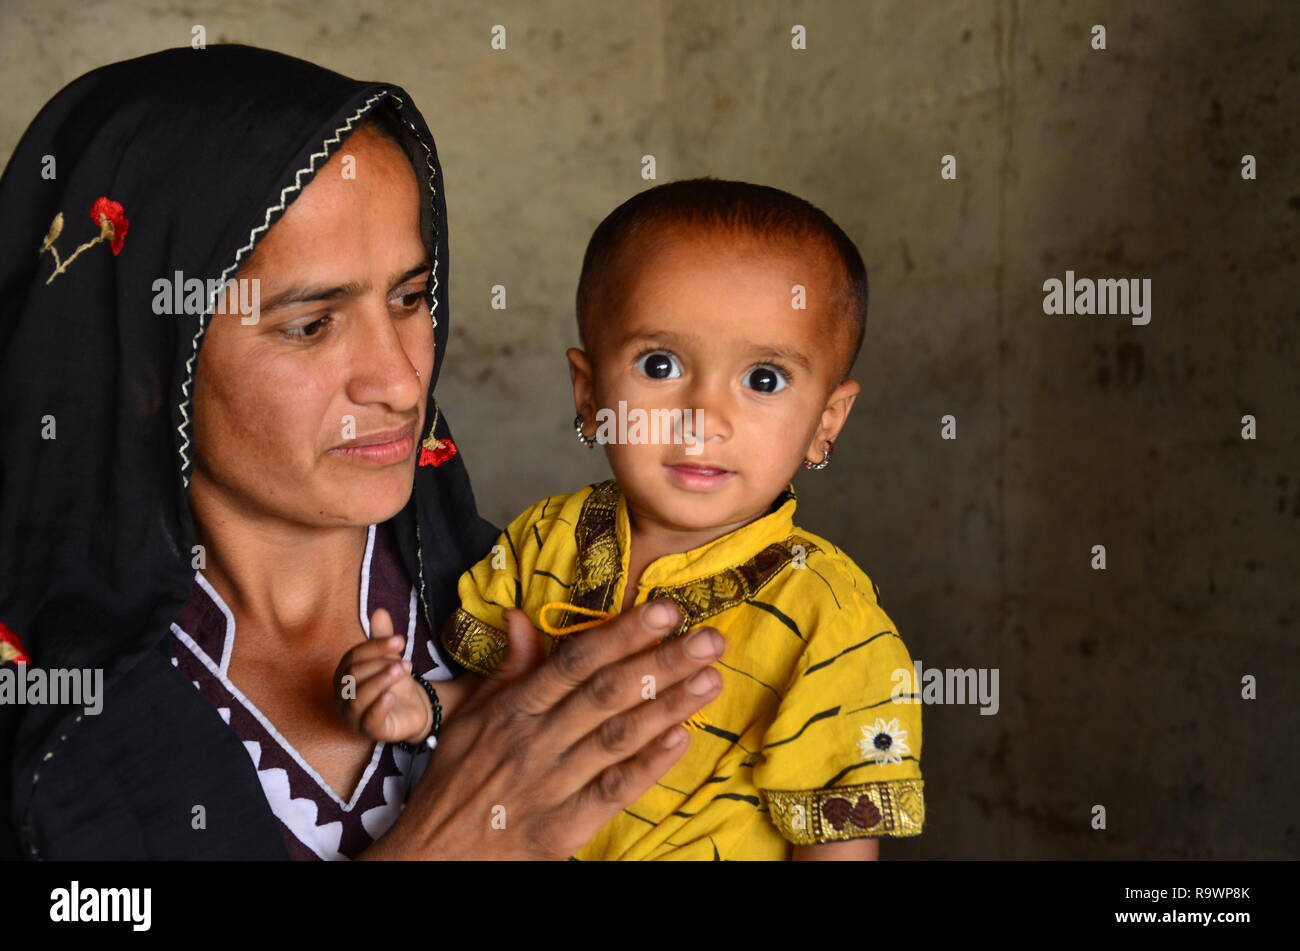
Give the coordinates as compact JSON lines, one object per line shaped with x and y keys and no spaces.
{"x":203,"y":150}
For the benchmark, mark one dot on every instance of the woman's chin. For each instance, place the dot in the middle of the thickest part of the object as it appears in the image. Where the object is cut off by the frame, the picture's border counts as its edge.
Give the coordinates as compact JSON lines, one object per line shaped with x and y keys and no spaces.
{"x":370,"y":497}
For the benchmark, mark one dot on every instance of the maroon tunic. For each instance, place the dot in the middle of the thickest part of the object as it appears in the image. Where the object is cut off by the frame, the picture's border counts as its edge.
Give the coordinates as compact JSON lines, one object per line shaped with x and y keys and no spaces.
{"x":315,"y":822}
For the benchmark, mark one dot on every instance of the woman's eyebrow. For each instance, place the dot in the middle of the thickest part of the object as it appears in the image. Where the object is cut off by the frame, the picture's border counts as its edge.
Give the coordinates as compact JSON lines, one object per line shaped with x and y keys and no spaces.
{"x":410,"y":273}
{"x":302,"y":294}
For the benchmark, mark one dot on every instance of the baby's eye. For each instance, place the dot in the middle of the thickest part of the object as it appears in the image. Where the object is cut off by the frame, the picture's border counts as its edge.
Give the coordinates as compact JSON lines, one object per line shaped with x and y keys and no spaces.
{"x":659,"y":365}
{"x":765,"y":379}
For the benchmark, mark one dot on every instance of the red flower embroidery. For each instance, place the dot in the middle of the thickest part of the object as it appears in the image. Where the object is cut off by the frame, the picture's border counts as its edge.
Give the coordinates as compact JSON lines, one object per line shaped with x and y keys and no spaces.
{"x":11,"y":649}
{"x":436,"y":454}
{"x":108,"y":217}
{"x":107,"y":210}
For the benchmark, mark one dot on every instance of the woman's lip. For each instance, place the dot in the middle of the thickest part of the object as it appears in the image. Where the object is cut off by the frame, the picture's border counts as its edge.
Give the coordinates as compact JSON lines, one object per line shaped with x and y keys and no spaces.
{"x":380,"y":438}
{"x":384,"y":448}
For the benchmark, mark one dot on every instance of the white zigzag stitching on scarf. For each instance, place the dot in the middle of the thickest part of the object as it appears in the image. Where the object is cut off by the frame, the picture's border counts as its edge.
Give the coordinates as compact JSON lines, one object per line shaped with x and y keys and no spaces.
{"x":433,"y":205}
{"x":252,"y":240}
{"x":433,"y":293}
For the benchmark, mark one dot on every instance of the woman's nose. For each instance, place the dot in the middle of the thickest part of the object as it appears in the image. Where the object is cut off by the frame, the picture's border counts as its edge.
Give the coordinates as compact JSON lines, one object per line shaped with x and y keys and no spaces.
{"x":382,"y":370}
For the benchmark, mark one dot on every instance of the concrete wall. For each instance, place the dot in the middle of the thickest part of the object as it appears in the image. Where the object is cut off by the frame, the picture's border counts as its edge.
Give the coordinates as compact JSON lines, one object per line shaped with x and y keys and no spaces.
{"x":1118,"y":687}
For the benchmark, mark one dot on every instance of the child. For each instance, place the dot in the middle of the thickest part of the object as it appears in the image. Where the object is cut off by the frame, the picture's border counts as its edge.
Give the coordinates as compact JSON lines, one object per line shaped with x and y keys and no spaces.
{"x":736,"y":311}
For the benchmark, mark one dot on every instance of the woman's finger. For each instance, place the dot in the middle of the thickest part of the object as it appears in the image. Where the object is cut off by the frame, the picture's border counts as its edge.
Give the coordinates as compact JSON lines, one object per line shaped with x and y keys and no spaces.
{"x":606,"y":684}
{"x":628,"y":733}
{"x":628,"y":683}
{"x":584,"y":654}
{"x":504,"y":754}
{"x":523,"y":653}
{"x":621,"y":784}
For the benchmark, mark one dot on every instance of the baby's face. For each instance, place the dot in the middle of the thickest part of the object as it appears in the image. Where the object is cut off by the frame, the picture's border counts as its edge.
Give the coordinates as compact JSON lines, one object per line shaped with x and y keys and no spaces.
{"x":707,"y":325}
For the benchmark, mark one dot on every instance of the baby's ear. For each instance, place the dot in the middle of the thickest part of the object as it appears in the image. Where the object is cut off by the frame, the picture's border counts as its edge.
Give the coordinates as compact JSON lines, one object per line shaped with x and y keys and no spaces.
{"x":584,"y":392}
{"x":834,"y":416}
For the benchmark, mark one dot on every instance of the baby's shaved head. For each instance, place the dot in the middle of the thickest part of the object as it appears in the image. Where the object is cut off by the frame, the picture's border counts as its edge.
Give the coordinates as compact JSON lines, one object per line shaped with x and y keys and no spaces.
{"x":728,"y":210}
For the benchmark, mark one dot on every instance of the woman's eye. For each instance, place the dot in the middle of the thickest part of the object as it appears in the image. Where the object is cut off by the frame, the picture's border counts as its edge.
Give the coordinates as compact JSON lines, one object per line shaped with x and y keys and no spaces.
{"x":410,"y":301}
{"x":659,"y":365}
{"x":307,"y":330}
{"x":764,"y":379}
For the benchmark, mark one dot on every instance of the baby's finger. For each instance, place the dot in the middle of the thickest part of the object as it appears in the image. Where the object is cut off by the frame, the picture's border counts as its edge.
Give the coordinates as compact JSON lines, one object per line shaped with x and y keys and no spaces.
{"x":369,"y":690}
{"x":383,"y":722}
{"x":363,"y":672}
{"x":372,"y":721}
{"x":381,"y":625}
{"x":376,"y":647}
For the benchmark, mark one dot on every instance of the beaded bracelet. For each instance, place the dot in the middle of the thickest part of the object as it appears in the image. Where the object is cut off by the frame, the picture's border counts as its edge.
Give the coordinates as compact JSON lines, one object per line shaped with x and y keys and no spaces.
{"x":430,"y":742}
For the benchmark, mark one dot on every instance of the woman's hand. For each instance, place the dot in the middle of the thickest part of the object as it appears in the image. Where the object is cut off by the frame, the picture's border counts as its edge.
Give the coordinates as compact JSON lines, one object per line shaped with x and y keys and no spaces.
{"x":537,"y":760}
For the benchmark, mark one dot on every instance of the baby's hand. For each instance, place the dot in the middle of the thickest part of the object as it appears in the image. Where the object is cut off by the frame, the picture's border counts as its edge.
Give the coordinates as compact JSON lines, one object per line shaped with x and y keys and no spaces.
{"x":375,"y":693}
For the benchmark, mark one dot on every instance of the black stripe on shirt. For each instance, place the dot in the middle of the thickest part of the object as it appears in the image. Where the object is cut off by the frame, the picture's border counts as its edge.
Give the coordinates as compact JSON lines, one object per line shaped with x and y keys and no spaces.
{"x":833,"y":711}
{"x":848,"y":769}
{"x":778,"y":614}
{"x":519,"y":591}
{"x":914,"y":697}
{"x":739,"y":797}
{"x":746,"y":673}
{"x":825,"y":582}
{"x":831,"y":660}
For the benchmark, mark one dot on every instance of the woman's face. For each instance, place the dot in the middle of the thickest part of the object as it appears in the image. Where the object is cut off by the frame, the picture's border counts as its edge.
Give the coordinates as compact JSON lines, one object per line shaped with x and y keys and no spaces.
{"x":313,"y":413}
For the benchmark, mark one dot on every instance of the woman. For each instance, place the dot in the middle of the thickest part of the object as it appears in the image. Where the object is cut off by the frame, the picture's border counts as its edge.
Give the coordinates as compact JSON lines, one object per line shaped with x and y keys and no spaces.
{"x":265,"y":433}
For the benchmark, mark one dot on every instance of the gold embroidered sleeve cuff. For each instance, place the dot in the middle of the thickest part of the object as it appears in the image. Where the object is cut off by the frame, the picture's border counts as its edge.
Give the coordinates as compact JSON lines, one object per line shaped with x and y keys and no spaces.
{"x":475,"y":645}
{"x":893,"y":807}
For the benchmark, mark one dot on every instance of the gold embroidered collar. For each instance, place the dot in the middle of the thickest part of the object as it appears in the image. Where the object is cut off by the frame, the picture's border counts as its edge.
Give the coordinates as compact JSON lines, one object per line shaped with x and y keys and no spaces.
{"x":718,"y":575}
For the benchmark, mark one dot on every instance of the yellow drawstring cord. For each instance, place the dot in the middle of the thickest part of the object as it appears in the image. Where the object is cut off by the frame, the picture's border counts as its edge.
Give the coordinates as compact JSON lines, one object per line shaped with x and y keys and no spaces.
{"x":600,"y":618}
{"x":697,"y":722}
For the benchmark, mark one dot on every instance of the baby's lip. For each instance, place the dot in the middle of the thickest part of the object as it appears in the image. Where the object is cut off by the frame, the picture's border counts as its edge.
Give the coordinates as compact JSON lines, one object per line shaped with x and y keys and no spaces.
{"x":699,"y":467}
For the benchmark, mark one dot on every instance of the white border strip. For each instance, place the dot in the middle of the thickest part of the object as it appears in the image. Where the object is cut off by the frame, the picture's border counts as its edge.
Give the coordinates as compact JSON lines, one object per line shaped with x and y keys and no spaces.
{"x":227,"y":645}
{"x":365,"y":582}
{"x":275,"y":734}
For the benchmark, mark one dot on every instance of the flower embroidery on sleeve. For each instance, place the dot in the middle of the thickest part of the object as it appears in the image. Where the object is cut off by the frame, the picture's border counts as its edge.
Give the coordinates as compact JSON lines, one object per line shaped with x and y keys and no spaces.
{"x":113,"y":224}
{"x":884,"y":742}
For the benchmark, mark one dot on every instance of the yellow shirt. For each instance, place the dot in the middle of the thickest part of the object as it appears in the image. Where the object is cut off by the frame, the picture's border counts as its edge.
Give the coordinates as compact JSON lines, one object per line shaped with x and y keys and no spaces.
{"x":805,"y":745}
